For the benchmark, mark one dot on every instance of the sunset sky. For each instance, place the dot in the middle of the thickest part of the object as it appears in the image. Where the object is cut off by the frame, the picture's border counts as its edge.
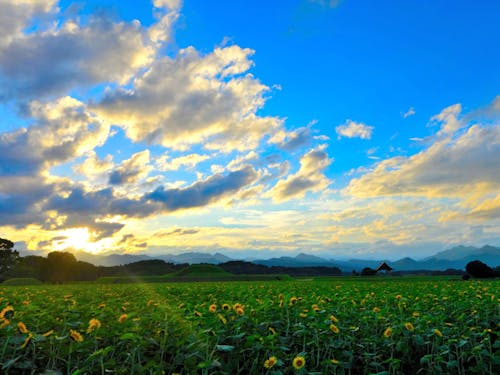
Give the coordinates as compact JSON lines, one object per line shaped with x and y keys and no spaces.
{"x":338,"y":128}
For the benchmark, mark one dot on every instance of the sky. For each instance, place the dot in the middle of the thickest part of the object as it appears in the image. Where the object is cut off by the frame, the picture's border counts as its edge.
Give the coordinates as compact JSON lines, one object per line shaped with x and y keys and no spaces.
{"x":332,"y":127}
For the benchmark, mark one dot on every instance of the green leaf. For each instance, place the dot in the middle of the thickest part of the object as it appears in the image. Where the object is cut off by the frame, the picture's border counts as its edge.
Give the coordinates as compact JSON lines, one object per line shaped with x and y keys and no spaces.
{"x":224,"y":348}
{"x":128,"y":336}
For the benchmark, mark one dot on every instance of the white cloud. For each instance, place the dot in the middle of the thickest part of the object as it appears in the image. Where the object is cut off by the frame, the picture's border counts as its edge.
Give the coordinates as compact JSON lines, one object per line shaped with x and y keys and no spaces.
{"x":459,"y":164}
{"x":310,"y":177}
{"x":193,"y":99}
{"x":408,"y":113}
{"x":351,"y":129}
{"x":189,"y":161}
{"x":62,"y":129}
{"x":132,"y":170}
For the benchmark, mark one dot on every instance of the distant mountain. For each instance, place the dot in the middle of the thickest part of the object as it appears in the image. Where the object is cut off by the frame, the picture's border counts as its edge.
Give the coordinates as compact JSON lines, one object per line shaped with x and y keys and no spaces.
{"x":120,"y":259}
{"x":456,"y":258}
{"x":463,"y":252}
{"x":111,"y":259}
{"x":301,"y":260}
{"x":194,"y":258}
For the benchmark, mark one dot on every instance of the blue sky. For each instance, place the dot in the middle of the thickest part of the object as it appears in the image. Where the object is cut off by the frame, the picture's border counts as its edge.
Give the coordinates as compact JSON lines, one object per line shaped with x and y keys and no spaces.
{"x":338,"y":128}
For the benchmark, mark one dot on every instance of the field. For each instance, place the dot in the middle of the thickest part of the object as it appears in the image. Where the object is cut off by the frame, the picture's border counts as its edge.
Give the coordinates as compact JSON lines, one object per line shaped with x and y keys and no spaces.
{"x":329,"y":326}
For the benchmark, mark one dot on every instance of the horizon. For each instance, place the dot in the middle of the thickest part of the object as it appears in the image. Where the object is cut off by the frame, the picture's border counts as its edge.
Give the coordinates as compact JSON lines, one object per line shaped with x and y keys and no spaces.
{"x":250,"y":256}
{"x":359,"y":130}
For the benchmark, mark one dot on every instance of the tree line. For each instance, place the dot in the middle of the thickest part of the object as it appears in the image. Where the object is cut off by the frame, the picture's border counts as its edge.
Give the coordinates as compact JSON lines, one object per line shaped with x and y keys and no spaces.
{"x":60,"y":267}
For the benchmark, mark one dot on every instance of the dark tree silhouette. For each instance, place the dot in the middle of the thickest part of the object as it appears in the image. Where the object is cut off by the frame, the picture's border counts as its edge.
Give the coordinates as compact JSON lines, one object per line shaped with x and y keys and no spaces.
{"x":367,"y":271}
{"x":479,"y":270}
{"x":59,"y":267}
{"x":8,"y":256}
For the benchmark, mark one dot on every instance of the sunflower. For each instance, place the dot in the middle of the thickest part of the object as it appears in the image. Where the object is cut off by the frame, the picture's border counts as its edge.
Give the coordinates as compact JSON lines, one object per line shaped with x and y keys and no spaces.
{"x":75,"y":335}
{"x":122,"y":318}
{"x":226,"y":307}
{"x":212,"y":308}
{"x":93,"y":325}
{"x":22,"y":327}
{"x":388,"y":332}
{"x":333,"y":318}
{"x":438,"y":332}
{"x":376,"y":310}
{"x":222,"y":319}
{"x":298,"y":362}
{"x":409,"y":327}
{"x":270,"y":362}
{"x":334,"y":328}
{"x":7,"y":313}
{"x":240,"y":311}
{"x":293,"y":300}
{"x":48,"y":333}
{"x":237,"y":306}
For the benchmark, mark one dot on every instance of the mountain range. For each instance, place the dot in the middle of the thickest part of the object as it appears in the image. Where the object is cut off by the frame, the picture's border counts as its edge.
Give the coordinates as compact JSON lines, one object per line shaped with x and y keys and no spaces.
{"x":456,"y":257}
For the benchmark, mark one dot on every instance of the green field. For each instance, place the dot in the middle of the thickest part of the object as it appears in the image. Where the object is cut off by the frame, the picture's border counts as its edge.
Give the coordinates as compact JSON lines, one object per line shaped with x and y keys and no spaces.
{"x":330,"y":326}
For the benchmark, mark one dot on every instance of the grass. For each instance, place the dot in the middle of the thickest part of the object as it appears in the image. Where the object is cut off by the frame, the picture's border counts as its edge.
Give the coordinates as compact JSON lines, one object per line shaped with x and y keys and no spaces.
{"x":21,"y":281}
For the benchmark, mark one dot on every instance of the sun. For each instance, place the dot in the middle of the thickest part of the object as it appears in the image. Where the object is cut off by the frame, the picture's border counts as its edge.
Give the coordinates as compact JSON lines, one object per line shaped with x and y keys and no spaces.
{"x":77,"y":239}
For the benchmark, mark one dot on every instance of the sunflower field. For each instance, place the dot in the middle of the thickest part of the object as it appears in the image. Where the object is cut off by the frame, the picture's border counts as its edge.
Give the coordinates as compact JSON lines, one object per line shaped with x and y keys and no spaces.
{"x":331,"y":326}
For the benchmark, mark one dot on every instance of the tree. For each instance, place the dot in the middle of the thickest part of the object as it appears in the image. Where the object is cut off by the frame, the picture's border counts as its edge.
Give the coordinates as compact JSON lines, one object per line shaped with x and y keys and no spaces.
{"x":8,"y":256}
{"x":367,"y":271}
{"x":59,"y":267}
{"x":479,"y":270}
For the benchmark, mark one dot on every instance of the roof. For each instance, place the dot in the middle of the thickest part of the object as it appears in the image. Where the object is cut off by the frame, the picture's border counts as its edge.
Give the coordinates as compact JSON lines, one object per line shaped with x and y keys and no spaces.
{"x":384,"y":267}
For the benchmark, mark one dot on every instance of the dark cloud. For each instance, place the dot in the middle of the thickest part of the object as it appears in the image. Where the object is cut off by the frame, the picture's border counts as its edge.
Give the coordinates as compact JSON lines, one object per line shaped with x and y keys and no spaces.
{"x":301,"y":137}
{"x":296,"y":185}
{"x":131,"y":170}
{"x":39,"y":64}
{"x":203,"y":192}
{"x":177,"y":232}
{"x":90,"y":208}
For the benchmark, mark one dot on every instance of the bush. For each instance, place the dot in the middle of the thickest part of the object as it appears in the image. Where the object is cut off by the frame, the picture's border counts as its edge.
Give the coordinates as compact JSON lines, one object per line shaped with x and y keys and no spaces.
{"x":367,"y":271}
{"x":479,"y":270}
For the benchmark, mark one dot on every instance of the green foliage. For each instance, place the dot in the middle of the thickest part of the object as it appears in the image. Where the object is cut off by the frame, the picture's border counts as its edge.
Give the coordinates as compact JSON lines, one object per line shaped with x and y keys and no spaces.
{"x":339,"y":326}
{"x":15,"y":281}
{"x":200,"y":270}
{"x":8,"y":256}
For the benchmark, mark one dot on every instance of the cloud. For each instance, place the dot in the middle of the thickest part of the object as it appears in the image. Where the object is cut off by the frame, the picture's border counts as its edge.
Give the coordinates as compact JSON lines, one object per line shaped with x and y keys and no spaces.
{"x":93,"y":166}
{"x":176,"y":232}
{"x":190,"y":161}
{"x":326,"y":3}
{"x":310,"y":177}
{"x":72,"y":55}
{"x":132,"y":170}
{"x":203,"y":192}
{"x":351,"y":129}
{"x":79,"y":207}
{"x":16,"y":14}
{"x":449,"y":120}
{"x":193,"y":99}
{"x":408,"y":113}
{"x":456,"y":164}
{"x":298,"y":138}
{"x":62,"y":130}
